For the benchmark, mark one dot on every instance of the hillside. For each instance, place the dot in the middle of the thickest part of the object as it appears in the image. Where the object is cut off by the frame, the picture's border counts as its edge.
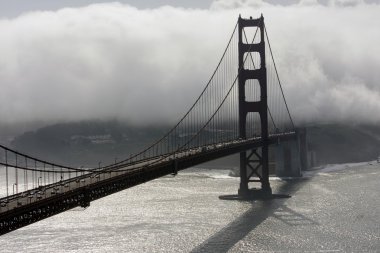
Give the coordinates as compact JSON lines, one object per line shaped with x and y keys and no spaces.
{"x":342,"y":144}
{"x":87,"y":143}
{"x":90,"y":142}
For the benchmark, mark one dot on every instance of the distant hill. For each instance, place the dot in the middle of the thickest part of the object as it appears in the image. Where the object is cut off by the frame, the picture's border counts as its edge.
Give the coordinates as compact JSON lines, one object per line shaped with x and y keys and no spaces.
{"x":89,"y":142}
{"x":335,"y":143}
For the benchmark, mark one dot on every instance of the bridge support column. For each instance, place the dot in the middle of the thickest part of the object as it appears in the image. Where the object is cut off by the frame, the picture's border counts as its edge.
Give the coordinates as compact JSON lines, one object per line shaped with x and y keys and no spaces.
{"x":303,"y":147}
{"x":288,"y":159}
{"x":254,"y":167}
{"x":253,"y":170}
{"x":291,"y":156}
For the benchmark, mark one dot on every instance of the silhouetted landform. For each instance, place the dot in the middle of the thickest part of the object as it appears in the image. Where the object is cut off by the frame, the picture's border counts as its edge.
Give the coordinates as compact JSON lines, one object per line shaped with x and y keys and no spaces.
{"x":343,"y":144}
{"x":87,"y":143}
{"x":90,"y":142}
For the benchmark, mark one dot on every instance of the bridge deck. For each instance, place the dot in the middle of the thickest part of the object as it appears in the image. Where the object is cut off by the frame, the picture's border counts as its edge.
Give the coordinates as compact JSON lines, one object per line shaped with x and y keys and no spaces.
{"x":42,"y":202}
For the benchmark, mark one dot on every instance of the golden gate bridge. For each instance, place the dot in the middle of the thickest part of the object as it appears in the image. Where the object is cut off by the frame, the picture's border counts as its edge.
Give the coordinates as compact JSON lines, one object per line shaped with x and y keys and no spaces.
{"x":242,"y":109}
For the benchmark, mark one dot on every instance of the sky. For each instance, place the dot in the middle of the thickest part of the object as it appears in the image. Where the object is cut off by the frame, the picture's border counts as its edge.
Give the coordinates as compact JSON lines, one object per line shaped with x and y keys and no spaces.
{"x":147,"y":61}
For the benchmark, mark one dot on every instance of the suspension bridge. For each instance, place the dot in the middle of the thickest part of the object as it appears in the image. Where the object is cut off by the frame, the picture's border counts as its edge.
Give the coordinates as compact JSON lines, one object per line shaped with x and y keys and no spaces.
{"x":242,"y":109}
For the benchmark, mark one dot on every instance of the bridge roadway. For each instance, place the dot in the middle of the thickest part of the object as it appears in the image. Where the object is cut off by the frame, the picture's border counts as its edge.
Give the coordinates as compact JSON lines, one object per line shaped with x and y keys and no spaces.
{"x":36,"y":204}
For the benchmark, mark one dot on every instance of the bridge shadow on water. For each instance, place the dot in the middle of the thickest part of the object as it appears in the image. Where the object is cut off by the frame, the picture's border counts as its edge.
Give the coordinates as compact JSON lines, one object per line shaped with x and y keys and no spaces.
{"x":227,"y":237}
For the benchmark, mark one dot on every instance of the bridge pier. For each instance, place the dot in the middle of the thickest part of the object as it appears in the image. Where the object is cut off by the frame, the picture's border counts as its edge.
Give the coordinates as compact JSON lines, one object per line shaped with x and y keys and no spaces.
{"x":255,"y":166}
{"x":288,"y":159}
{"x":291,"y":156}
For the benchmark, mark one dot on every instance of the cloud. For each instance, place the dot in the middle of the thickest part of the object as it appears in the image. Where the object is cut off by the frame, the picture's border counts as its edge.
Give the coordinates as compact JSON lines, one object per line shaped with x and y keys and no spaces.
{"x":146,"y":66}
{"x":328,"y":59}
{"x":237,"y":4}
{"x":345,"y":2}
{"x":107,"y":61}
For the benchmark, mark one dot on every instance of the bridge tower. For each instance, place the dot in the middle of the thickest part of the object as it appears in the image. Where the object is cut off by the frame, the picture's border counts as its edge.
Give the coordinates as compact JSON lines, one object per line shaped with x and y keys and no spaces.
{"x":254,"y":163}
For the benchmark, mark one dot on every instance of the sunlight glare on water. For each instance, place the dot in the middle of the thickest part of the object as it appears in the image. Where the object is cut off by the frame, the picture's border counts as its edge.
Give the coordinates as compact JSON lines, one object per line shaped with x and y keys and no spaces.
{"x":159,"y":216}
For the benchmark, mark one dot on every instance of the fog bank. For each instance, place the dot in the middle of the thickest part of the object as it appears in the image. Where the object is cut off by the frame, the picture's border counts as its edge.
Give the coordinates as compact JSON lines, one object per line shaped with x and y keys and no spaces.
{"x":114,"y":61}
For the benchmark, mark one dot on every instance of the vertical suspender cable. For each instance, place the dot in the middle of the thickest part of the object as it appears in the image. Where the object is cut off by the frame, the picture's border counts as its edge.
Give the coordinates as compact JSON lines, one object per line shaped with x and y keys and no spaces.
{"x":6,"y":170}
{"x":279,"y":81}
